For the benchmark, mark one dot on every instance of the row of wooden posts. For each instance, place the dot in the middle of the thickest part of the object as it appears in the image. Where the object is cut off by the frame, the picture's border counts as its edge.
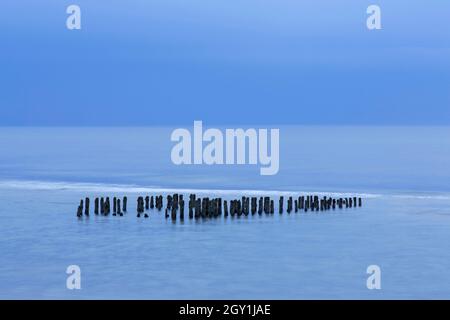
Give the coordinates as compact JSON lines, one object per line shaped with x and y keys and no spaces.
{"x":103,"y":206}
{"x":214,"y":207}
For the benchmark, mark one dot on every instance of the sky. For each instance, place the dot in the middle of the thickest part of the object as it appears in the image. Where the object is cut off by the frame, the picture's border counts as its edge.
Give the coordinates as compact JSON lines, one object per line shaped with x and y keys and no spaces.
{"x":225,"y":62}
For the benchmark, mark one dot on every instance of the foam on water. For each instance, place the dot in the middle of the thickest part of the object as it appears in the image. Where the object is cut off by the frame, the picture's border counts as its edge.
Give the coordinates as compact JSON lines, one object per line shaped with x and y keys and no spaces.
{"x":124,"y":188}
{"x":128,"y":188}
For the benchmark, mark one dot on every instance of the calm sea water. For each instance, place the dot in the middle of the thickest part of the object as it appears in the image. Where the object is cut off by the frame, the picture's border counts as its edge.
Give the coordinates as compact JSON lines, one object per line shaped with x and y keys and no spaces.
{"x":404,"y":226}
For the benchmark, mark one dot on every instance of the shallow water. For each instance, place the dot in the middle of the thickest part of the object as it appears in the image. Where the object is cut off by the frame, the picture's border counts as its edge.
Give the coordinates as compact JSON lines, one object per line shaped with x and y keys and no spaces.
{"x":403,"y":226}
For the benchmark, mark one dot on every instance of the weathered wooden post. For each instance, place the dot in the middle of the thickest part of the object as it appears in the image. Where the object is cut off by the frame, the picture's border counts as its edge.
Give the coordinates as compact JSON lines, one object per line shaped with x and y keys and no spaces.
{"x":175,"y":201}
{"x":204,"y":208}
{"x":211,"y":208}
{"x":289,"y":205}
{"x":232,"y":204}
{"x":280,"y":205}
{"x":225,"y":208}
{"x":247,"y":205}
{"x":254,"y":205}
{"x":169,"y":201}
{"x":181,"y":204}
{"x":86,"y":207}
{"x":147,"y":203}
{"x":107,"y":206}
{"x":138,"y":207}
{"x":239,"y":207}
{"x":207,"y":207}
{"x":125,"y":201}
{"x":196,"y":211}
{"x":215,"y":209}
{"x":266,"y":205}
{"x":102,"y":206}
{"x":96,"y":206}
{"x":174,"y":213}
{"x":119,"y":208}
{"x":80,"y":209}
{"x":191,"y":205}
{"x":198,"y":208}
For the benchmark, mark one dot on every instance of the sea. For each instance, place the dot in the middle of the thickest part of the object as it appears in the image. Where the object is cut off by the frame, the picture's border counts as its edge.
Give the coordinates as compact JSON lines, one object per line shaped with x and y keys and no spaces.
{"x":402,"y":175}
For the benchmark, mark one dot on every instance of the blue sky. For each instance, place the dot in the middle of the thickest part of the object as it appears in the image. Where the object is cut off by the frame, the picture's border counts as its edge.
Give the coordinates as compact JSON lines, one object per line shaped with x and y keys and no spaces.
{"x":169,"y":62}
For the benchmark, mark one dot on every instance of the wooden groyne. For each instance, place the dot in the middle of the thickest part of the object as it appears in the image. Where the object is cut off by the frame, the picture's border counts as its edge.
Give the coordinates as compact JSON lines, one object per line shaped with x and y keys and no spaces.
{"x":210,"y":207}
